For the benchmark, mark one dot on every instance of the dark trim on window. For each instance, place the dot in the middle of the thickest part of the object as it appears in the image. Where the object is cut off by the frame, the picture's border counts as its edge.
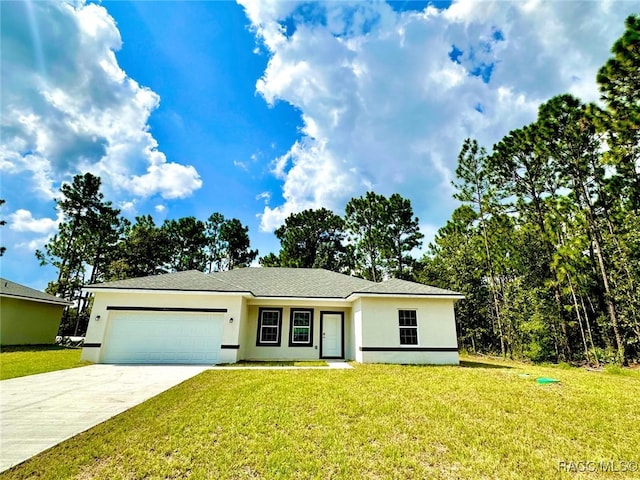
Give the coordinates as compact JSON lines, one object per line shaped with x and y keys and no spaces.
{"x":408,"y":349}
{"x":167,"y":309}
{"x":259,"y":322}
{"x":230,"y":347}
{"x":322,"y":313}
{"x":91,"y":345}
{"x":309,"y":343}
{"x":408,"y":326}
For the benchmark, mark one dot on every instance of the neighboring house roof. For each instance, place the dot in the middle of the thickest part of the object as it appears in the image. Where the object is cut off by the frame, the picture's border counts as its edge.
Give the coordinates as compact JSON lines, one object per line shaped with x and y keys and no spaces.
{"x":276,"y":282}
{"x":15,"y":290}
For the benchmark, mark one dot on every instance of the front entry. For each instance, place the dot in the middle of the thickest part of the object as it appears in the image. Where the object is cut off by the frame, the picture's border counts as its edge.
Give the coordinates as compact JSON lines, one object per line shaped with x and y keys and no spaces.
{"x":332,"y":335}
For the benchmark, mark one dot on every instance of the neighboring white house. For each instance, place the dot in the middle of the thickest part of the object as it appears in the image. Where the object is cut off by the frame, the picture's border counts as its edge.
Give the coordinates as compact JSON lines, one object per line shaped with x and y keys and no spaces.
{"x":269,"y":314}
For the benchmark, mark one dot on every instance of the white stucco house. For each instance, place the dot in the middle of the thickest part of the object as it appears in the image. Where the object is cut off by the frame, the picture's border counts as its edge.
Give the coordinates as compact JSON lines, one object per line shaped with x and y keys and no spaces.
{"x":269,"y":314}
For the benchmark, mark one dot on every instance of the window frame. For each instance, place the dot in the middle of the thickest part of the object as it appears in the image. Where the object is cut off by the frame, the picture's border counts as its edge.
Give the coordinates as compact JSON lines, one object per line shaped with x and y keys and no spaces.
{"x":402,"y":327}
{"x":259,"y":341}
{"x":292,"y":313}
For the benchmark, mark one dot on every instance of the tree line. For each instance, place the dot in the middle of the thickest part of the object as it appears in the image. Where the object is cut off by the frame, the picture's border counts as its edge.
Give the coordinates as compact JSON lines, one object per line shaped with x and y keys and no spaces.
{"x":546,"y":242}
{"x":373,"y":240}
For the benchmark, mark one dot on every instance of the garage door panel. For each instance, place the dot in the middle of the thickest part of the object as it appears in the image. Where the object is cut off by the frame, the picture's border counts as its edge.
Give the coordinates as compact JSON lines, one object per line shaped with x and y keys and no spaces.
{"x":163,"y":337}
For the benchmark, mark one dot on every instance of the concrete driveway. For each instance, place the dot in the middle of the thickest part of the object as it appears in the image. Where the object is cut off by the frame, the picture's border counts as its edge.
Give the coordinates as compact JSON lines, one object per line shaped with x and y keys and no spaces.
{"x":40,"y":411}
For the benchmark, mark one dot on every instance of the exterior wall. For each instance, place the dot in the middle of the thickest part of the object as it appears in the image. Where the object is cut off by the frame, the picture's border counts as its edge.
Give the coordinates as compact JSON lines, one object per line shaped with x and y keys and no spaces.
{"x":413,"y":358}
{"x":97,"y":329}
{"x":349,"y":332}
{"x":25,"y":322}
{"x":380,"y":330}
{"x":284,"y":352}
{"x":369,"y":322}
{"x":243,"y":332}
{"x":357,"y":330}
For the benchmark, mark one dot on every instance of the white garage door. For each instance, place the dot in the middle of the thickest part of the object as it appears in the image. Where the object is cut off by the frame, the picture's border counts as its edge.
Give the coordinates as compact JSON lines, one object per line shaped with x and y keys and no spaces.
{"x":163,"y":337}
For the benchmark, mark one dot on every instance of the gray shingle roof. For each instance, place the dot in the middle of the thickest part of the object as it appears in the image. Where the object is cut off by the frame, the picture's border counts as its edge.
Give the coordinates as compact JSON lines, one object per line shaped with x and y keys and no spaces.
{"x":275,"y":282}
{"x":403,"y":287}
{"x":13,"y":289}
{"x":191,"y":280}
{"x":293,"y":282}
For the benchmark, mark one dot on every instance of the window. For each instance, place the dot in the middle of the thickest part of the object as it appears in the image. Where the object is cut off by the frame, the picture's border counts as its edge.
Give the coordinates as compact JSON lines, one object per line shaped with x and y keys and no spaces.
{"x":408,"y":321}
{"x":301,"y":331}
{"x":269,"y":323}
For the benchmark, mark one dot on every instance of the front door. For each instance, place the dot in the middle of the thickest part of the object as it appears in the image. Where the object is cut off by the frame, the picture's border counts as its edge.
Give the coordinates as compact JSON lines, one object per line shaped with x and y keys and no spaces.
{"x":331,"y":340}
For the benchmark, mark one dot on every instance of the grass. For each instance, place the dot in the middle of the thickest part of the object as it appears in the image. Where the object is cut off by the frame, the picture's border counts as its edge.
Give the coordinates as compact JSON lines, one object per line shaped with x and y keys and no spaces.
{"x":22,"y":360}
{"x":478,"y":421}
{"x":249,"y":363}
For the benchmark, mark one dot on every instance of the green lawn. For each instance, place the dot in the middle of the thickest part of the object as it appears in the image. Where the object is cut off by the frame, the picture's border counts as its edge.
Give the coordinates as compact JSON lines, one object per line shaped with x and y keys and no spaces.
{"x":20,"y":361}
{"x":477,"y":421}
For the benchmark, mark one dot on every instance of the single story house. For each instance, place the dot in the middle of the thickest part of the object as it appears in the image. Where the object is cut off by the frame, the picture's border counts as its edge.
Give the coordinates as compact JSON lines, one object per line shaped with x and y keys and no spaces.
{"x":28,"y":316}
{"x":269,"y":314}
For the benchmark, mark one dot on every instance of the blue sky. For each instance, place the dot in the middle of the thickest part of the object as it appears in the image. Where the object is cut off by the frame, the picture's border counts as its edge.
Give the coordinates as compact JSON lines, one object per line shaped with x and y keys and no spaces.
{"x":259,"y":109}
{"x":204,"y":69}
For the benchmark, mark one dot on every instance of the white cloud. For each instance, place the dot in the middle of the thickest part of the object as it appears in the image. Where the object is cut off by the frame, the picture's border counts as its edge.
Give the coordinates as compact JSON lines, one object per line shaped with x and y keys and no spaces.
{"x":429,"y":231}
{"x":34,"y":244}
{"x":241,"y":165}
{"x":74,"y":109}
{"x":314,"y":179}
{"x":172,"y":179}
{"x":266,"y":196}
{"x":22,"y":221}
{"x":160,"y":208}
{"x":127,"y":207}
{"x":385,"y":107}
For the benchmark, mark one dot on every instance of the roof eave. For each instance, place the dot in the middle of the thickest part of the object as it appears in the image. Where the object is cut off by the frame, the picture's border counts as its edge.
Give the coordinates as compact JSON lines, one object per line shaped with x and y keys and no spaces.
{"x":451,"y":296}
{"x":61,"y":302}
{"x":249,"y":294}
{"x":171,"y":291}
{"x":298,"y":298}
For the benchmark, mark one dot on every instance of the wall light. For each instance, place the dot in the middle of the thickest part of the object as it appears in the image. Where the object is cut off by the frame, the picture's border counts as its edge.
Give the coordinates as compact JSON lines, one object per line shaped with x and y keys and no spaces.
{"x":231,"y":320}
{"x":97,"y":318}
